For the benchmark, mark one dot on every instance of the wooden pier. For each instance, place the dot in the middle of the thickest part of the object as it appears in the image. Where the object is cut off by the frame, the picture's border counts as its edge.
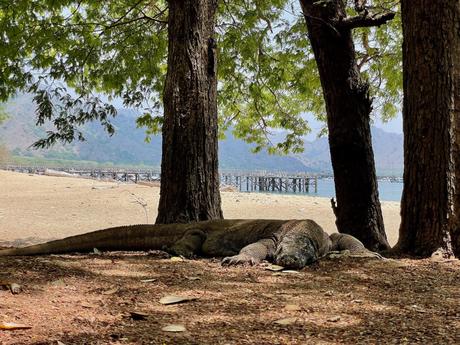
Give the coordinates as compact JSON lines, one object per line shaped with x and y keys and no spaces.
{"x":115,"y":174}
{"x":262,"y":181}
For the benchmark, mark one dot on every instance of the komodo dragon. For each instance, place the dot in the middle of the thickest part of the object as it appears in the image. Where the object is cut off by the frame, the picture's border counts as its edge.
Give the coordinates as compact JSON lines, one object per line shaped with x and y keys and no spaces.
{"x":291,"y":243}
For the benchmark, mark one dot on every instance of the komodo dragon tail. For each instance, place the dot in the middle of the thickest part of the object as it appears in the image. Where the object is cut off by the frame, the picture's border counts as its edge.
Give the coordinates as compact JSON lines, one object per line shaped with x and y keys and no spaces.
{"x":132,"y":237}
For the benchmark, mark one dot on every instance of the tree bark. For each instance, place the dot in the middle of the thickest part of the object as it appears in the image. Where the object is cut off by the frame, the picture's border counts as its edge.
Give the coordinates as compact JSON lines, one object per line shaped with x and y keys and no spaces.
{"x":189,"y":167}
{"x":428,"y":116}
{"x":455,"y":216}
{"x":348,"y":107}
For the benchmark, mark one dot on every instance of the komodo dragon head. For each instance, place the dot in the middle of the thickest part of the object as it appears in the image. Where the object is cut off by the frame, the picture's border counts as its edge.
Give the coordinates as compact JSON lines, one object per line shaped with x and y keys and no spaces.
{"x":303,"y":243}
{"x":295,"y":252}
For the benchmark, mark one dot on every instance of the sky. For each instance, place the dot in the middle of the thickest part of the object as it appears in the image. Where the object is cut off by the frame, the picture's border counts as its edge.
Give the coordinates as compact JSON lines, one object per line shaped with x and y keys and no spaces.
{"x":394,"y":125}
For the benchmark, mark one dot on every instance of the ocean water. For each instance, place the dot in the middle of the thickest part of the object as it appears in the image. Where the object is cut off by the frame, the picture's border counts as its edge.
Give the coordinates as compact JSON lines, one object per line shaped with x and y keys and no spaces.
{"x":388,"y":191}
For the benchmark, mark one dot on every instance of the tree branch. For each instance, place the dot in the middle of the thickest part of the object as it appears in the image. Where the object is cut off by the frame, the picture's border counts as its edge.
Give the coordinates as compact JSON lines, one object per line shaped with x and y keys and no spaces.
{"x":360,"y":5}
{"x":365,"y":20}
{"x":126,"y":14}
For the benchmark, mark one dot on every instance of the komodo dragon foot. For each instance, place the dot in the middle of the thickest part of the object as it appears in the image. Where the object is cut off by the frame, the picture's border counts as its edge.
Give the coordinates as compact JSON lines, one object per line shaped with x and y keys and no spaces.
{"x":336,"y":254}
{"x":344,"y":245}
{"x":240,"y":259}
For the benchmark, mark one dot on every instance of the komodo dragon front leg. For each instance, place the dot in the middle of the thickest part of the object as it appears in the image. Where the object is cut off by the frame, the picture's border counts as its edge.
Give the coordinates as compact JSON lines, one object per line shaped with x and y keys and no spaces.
{"x":253,"y":253}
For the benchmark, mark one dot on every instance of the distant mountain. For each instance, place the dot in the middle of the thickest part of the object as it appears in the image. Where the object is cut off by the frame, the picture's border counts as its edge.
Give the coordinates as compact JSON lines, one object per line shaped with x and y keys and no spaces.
{"x":388,"y":152}
{"x":127,"y":146}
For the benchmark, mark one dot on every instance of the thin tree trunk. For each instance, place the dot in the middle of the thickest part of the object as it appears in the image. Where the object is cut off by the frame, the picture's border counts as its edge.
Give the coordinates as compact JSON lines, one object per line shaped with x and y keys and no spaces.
{"x":427,"y":123}
{"x":189,"y":167}
{"x":348,"y":107}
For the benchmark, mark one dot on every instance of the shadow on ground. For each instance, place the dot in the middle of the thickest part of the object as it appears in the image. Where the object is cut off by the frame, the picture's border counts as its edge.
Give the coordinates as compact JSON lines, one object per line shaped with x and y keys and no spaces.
{"x":88,"y":299}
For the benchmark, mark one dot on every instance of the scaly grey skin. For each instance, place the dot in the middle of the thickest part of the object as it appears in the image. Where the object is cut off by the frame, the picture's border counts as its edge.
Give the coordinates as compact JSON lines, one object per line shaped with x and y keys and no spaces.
{"x":291,"y":244}
{"x":296,"y":245}
{"x":347,"y":245}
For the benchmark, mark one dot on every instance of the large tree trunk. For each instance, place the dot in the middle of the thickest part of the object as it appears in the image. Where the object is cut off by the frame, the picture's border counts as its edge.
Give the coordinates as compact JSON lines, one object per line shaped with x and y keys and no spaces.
{"x":428,"y":30}
{"x":348,"y":107}
{"x":189,"y":167}
{"x":455,"y":216}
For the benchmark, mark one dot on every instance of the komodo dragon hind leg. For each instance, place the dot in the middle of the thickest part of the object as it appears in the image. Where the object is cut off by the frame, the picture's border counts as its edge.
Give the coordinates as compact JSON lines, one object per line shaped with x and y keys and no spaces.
{"x":188,"y":245}
{"x":344,"y":245}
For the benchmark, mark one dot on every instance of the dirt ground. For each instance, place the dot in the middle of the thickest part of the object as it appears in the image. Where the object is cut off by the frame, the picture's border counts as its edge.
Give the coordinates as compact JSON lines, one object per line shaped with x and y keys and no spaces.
{"x":114,"y":298}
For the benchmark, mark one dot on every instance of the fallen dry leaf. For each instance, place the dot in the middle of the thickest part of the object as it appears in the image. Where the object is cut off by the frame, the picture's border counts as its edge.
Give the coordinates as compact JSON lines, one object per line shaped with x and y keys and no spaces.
{"x":292,"y":307}
{"x":15,"y":288}
{"x":176,"y":259}
{"x":286,"y":321}
{"x":174,"y":328}
{"x":290,"y":272}
{"x":10,"y":326}
{"x":334,"y":319}
{"x":138,"y":315}
{"x":148,"y":280}
{"x":58,"y":282}
{"x":175,"y":299}
{"x":87,"y":305}
{"x":274,"y":268}
{"x":110,"y":292}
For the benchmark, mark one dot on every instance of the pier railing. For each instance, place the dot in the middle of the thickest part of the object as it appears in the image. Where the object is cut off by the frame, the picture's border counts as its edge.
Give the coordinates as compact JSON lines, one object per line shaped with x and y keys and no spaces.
{"x":283,"y":183}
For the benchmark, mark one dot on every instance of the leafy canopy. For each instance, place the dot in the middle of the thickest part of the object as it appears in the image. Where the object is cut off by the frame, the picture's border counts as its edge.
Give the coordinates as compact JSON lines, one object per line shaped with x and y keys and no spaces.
{"x":77,"y":57}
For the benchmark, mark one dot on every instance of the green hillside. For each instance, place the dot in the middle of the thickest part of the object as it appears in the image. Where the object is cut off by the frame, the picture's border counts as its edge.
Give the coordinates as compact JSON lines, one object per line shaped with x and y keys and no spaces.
{"x":126,"y":147}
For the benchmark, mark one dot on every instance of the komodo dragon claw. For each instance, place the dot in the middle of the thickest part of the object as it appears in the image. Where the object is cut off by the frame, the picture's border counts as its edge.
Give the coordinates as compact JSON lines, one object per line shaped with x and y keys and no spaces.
{"x":239,"y":259}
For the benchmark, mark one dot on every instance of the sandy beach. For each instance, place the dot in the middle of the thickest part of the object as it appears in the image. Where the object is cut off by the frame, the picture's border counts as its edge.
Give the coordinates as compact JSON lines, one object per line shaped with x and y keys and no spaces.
{"x":34,"y":208}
